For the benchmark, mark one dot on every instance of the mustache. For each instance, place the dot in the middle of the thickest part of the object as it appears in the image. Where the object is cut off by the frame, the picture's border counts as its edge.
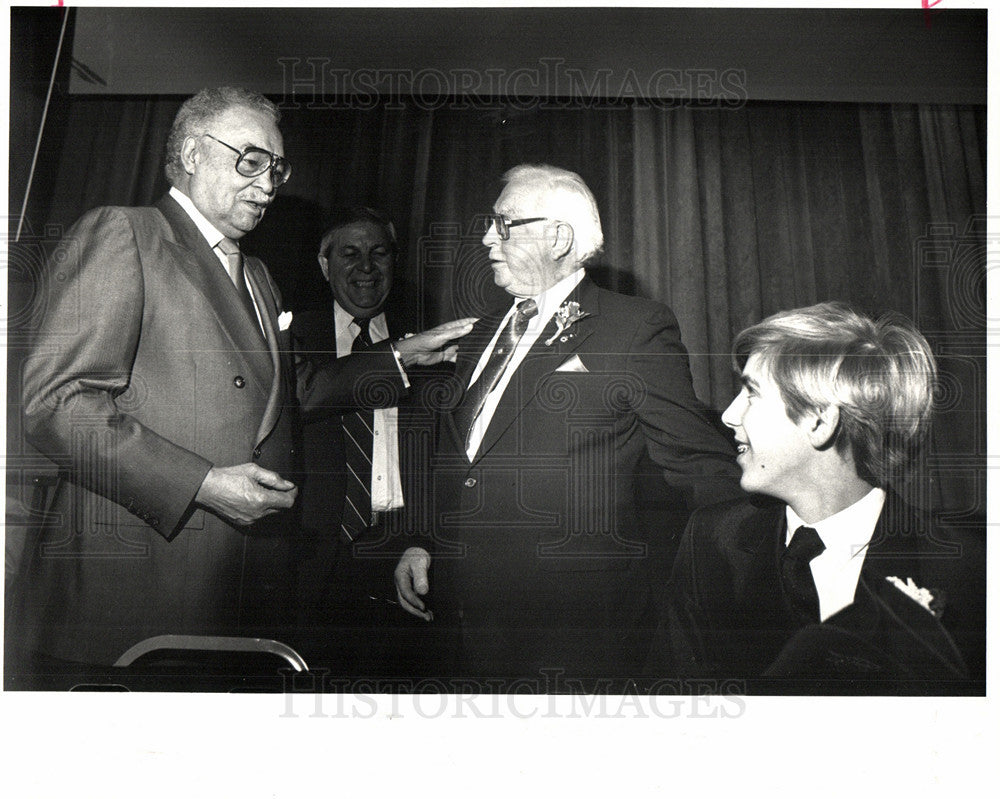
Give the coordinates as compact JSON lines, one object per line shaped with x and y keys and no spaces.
{"x":254,"y":197}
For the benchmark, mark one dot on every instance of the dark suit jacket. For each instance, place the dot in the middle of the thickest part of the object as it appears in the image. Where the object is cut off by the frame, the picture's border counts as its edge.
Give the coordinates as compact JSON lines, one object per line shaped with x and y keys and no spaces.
{"x":344,"y":621}
{"x":323,"y":491}
{"x":538,"y":550}
{"x":325,"y":483}
{"x":145,"y":372}
{"x":727,"y":617}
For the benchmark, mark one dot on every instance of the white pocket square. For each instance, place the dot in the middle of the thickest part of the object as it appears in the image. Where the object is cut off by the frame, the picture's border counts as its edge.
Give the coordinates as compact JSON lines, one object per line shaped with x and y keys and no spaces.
{"x":573,"y":364}
{"x":284,"y":320}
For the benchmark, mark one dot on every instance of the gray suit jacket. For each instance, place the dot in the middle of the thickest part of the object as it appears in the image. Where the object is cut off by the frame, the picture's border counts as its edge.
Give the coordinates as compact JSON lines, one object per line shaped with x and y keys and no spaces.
{"x":144,"y":373}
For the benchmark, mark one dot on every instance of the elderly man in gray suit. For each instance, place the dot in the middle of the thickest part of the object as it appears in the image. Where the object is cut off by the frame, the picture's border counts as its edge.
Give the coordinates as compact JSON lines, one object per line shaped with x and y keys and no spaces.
{"x":161,"y":381}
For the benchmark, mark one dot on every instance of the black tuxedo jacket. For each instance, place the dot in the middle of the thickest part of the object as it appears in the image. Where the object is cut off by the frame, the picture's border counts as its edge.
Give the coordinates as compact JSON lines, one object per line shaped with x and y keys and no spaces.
{"x":539,"y":555}
{"x":728,"y":619}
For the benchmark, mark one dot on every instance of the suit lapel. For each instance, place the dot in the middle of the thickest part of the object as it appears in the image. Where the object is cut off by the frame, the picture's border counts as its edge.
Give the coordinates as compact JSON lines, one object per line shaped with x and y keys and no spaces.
{"x":543,"y":359}
{"x":470,"y":351}
{"x":203,"y":269}
{"x":269,"y":315}
{"x":763,"y":539}
{"x":881,"y":614}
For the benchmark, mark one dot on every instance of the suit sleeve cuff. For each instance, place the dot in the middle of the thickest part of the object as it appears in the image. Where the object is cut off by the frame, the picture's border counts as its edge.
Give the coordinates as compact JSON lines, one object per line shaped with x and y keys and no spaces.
{"x":399,"y":365}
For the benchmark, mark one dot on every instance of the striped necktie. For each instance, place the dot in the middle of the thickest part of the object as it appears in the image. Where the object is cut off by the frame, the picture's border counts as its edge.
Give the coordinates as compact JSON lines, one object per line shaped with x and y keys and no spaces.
{"x":475,"y":396}
{"x":359,"y":435}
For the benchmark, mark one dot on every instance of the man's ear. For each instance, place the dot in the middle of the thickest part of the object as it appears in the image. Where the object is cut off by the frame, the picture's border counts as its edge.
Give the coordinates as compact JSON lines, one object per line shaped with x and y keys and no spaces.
{"x":823,"y":424}
{"x":563,"y":241}
{"x":190,"y":154}
{"x":324,"y":265}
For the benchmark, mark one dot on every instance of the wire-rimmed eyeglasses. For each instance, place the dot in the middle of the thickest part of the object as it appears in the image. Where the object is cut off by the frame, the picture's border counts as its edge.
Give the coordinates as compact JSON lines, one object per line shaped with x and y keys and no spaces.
{"x":254,"y":161}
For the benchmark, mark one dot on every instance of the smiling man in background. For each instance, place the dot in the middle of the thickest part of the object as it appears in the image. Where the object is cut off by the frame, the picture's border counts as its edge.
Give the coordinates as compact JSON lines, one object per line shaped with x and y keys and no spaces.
{"x":353,"y":492}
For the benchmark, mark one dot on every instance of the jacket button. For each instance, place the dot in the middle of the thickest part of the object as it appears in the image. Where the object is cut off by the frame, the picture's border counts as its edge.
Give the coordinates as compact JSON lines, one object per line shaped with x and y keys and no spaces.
{"x":470,"y":482}
{"x":239,"y":382}
{"x":256,"y":453}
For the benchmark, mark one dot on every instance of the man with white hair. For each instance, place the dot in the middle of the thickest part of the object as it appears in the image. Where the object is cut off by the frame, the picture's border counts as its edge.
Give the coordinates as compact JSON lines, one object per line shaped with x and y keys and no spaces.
{"x":539,"y":558}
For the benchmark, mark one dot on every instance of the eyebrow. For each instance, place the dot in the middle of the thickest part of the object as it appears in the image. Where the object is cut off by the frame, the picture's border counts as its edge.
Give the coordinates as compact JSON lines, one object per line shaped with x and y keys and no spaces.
{"x":251,"y":146}
{"x":748,"y":382}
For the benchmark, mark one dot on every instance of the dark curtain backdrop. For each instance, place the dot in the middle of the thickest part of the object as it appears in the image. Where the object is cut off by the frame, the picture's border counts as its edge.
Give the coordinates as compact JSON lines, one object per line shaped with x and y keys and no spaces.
{"x":726,"y":215}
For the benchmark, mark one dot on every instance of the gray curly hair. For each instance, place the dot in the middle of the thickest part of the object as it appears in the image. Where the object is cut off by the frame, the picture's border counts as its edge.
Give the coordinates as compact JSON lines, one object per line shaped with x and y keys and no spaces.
{"x":197,"y":111}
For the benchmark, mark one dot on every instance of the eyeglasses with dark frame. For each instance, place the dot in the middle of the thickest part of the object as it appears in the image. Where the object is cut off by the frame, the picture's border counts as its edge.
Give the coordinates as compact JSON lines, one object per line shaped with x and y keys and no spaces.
{"x":504,"y":223}
{"x":254,"y":161}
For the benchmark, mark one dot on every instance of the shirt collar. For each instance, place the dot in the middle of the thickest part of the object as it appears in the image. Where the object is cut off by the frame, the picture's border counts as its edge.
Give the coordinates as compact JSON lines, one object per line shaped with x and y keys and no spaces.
{"x":549,"y":300}
{"x":848,"y":530}
{"x":207,"y":229}
{"x":342,"y":320}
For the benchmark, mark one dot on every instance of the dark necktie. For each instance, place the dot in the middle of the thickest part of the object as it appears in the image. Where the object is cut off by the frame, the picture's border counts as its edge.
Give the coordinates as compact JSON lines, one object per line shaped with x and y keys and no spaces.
{"x":472,"y":403}
{"x":358,"y":438}
{"x":237,"y":273}
{"x":796,"y":576}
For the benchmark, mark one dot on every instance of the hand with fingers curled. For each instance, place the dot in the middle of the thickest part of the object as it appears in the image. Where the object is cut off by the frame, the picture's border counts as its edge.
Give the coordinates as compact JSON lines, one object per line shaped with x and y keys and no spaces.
{"x":412,"y":582}
{"x":245,"y":493}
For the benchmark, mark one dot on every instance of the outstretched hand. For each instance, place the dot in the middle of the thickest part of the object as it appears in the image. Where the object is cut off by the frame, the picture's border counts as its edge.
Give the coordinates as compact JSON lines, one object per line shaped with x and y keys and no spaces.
{"x":431,"y":346}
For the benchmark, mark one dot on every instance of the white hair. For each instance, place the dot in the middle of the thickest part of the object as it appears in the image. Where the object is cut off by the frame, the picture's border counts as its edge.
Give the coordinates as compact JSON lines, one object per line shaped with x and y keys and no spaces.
{"x":565,"y":197}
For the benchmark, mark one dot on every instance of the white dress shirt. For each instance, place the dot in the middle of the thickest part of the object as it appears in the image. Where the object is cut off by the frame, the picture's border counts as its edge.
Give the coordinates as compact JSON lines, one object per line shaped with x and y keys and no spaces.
{"x":387,"y":487}
{"x":548,"y":303}
{"x":846,"y":534}
{"x":213,"y":237}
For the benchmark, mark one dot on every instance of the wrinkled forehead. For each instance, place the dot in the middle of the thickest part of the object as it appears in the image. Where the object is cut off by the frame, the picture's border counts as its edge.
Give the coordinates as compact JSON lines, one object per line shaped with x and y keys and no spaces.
{"x":244,"y":127}
{"x":363,"y":234}
{"x":362,"y":230}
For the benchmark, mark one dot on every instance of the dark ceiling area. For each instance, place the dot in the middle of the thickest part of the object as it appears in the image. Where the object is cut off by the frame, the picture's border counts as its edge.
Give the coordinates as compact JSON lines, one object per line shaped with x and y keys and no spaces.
{"x":630,"y":53}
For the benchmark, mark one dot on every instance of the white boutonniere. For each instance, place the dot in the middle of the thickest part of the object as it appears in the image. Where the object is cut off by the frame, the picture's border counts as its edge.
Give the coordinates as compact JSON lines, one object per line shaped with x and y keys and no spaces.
{"x":921,"y":596}
{"x":284,"y":320}
{"x":568,"y":313}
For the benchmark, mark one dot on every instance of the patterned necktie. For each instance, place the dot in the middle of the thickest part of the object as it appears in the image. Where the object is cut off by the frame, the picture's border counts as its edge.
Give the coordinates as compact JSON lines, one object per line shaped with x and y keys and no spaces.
{"x":475,"y":397}
{"x":237,"y":273}
{"x":796,"y":576}
{"x":358,"y":438}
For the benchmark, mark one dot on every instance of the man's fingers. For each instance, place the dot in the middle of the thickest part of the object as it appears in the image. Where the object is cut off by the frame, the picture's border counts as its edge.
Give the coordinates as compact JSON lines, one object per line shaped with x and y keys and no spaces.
{"x":464,"y":324}
{"x":457,"y":329}
{"x":425,"y":349}
{"x":245,"y":493}
{"x":408,"y":600}
{"x":442,"y":334}
{"x":411,"y":581}
{"x":270,"y":479}
{"x":280,"y":499}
